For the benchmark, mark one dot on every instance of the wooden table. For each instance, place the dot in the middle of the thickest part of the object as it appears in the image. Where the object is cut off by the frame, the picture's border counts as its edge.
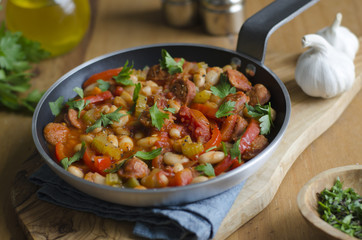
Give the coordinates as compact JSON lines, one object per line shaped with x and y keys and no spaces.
{"x":122,"y":24}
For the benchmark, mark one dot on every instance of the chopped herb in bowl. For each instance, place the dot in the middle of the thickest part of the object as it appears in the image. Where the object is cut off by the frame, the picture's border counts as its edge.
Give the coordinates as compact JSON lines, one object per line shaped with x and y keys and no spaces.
{"x":342,"y":209}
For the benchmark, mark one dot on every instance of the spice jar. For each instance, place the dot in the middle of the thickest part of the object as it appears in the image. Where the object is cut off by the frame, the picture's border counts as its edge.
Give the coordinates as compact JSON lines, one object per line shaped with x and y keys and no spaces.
{"x":222,"y":17}
{"x":58,"y":25}
{"x":180,"y":13}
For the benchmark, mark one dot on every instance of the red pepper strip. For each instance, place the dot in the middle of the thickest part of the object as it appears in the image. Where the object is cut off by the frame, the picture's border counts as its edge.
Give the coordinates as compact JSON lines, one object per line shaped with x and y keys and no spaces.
{"x":60,"y":151}
{"x":251,"y":132}
{"x":105,"y":76}
{"x":99,"y":97}
{"x":227,"y":127}
{"x":223,"y":165}
{"x":215,"y":140}
{"x":101,"y":163}
{"x":236,"y":163}
{"x":88,"y":159}
{"x":208,"y":111}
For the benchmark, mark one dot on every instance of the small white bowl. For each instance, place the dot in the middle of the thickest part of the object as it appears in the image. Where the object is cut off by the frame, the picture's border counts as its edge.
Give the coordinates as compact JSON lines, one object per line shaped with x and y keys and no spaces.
{"x":350,"y":176}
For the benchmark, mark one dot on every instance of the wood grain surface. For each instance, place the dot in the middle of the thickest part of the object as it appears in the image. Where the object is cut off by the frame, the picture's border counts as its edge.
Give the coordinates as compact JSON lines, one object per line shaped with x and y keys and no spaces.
{"x":122,"y":24}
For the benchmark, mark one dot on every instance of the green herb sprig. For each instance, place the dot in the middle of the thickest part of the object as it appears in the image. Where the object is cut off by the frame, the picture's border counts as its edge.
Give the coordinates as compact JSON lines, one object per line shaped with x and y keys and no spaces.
{"x":66,"y":162}
{"x":223,"y":88}
{"x":106,"y":119}
{"x":169,"y":63}
{"x":263,"y":113}
{"x":157,"y":117}
{"x":225,"y":109}
{"x":206,"y":169}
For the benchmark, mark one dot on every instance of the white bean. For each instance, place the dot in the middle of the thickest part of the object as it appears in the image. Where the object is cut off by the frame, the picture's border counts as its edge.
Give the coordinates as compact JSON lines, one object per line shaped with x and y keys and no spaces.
{"x":199,"y":179}
{"x":147,"y":141}
{"x":78,"y":147}
{"x":95,"y":177}
{"x":76,"y":171}
{"x":125,"y":143}
{"x":178,"y":167}
{"x":172,"y":158}
{"x":212,"y":157}
{"x":113,"y":140}
{"x":86,"y":138}
{"x":212,"y":76}
{"x":175,"y":133}
{"x":147,"y":91}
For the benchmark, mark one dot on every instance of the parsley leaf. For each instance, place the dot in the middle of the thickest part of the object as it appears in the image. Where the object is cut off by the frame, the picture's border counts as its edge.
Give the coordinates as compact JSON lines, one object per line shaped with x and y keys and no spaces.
{"x":148,"y":155}
{"x":106,"y":119}
{"x":264,"y":115}
{"x":206,"y":169}
{"x":171,"y":110}
{"x":117,"y":167}
{"x":169,"y":63}
{"x":157,"y":117}
{"x":66,"y":162}
{"x":103,"y":85}
{"x":212,"y":148}
{"x":56,"y":107}
{"x":124,"y":75}
{"x":225,"y":109}
{"x":235,"y":151}
{"x":136,"y":92}
{"x":223,"y":88}
{"x":79,"y":104}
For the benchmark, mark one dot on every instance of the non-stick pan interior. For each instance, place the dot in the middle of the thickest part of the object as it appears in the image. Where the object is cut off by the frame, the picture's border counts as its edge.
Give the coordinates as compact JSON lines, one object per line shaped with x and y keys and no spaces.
{"x":148,"y":56}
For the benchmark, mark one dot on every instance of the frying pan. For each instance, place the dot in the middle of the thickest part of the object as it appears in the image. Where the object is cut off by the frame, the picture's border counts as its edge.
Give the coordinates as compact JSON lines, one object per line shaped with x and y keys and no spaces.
{"x":250,"y":53}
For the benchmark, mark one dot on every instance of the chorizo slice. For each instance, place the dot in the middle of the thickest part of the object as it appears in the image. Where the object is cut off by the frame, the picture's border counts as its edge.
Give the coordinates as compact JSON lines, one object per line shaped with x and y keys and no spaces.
{"x":238,"y":80}
{"x":56,"y":132}
{"x":256,"y":146}
{"x":259,"y":94}
{"x":72,"y":116}
{"x":134,"y":167}
{"x":240,"y":99}
{"x":240,"y":126}
{"x":158,"y":75}
{"x":145,"y":118}
{"x":184,"y":90}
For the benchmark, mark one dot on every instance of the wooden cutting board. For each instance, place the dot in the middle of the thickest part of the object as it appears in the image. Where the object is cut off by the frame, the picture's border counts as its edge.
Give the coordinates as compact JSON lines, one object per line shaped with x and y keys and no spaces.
{"x":310,"y":118}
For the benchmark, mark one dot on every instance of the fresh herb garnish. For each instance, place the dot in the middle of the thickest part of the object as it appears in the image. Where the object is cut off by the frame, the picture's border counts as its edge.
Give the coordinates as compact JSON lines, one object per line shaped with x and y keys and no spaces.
{"x":342,"y":209}
{"x":117,"y":166}
{"x":263,"y":113}
{"x":56,"y":106}
{"x":157,"y":117}
{"x":206,"y":169}
{"x":169,"y":63}
{"x":106,"y":119}
{"x":225,"y":109}
{"x":66,"y":162}
{"x":136,"y":92}
{"x":223,"y":88}
{"x":235,"y":151}
{"x":103,"y":85}
{"x":124,"y":76}
{"x":148,"y":155}
{"x":78,"y":104}
{"x":16,"y":55}
{"x":212,"y":148}
{"x":171,"y":110}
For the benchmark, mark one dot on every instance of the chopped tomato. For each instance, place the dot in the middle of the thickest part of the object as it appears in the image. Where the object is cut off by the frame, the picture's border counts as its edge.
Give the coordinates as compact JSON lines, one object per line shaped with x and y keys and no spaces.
{"x":251,"y":132}
{"x":99,"y":97}
{"x":215,"y":138}
{"x":105,"y":76}
{"x":182,"y":178}
{"x":101,"y":163}
{"x":60,"y":151}
{"x":223,"y":165}
{"x":208,"y":111}
{"x":88,"y":159}
{"x":197,"y":123}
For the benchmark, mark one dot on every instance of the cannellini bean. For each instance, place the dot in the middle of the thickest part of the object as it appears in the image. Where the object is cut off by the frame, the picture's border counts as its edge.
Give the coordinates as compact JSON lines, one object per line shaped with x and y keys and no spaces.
{"x":76,"y":171}
{"x":122,"y":121}
{"x":172,"y":158}
{"x":86,"y":138}
{"x":78,"y":147}
{"x":178,"y":167}
{"x":174,"y":104}
{"x":113,"y":108}
{"x":138,"y":135}
{"x":127,"y":97}
{"x":119,"y":102}
{"x":113,"y":140}
{"x":212,"y":157}
{"x":199,"y":79}
{"x":147,"y":91}
{"x":151,"y":83}
{"x":175,"y":133}
{"x":97,"y":130}
{"x":105,"y":109}
{"x":199,"y":179}
{"x":89,"y":88}
{"x":125,"y":143}
{"x":213,"y":76}
{"x":147,"y":141}
{"x":120,"y":131}
{"x":95,"y":177}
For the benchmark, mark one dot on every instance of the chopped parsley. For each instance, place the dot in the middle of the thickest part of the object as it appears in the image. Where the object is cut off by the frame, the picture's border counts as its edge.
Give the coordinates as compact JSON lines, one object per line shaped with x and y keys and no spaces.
{"x":169,"y":63}
{"x":263,"y":113}
{"x":124,"y":76}
{"x":225,"y":109}
{"x":223,"y":88}
{"x":157,"y":117}
{"x":66,"y":162}
{"x":78,"y":104}
{"x":106,"y":119}
{"x":103,"y":85}
{"x":148,"y":155}
{"x":56,"y":106}
{"x":235,"y":151}
{"x":206,"y":169}
{"x":171,"y":110}
{"x":342,"y":209}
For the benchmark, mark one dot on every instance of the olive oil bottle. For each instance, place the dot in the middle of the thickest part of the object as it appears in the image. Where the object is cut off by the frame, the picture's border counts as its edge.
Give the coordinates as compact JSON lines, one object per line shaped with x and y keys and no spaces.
{"x":59,"y":25}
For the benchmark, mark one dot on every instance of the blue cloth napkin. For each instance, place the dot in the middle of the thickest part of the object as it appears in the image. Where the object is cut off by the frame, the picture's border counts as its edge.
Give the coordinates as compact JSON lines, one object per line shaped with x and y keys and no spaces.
{"x":198,"y":220}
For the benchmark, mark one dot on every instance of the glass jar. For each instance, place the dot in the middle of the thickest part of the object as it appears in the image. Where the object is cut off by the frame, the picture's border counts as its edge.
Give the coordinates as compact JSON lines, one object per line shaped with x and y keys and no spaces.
{"x":59,"y":25}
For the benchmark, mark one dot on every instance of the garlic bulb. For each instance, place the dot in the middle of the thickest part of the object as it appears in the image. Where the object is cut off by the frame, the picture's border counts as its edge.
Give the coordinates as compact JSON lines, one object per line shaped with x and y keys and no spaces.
{"x":341,"y":38}
{"x":322,"y":71}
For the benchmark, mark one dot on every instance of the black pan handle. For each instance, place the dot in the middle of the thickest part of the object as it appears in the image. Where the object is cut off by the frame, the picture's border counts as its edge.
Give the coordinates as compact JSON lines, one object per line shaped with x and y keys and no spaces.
{"x":254,"y":33}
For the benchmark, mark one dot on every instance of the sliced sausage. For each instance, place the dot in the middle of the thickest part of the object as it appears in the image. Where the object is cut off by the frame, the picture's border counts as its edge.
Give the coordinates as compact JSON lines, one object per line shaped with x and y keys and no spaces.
{"x":145,"y":118}
{"x":259,"y":94}
{"x":56,"y":132}
{"x":184,"y":90}
{"x":240,"y":99}
{"x":158,"y":75}
{"x":238,"y":80}
{"x":257,"y":145}
{"x":72,"y":116}
{"x":134,"y":167}
{"x":240,"y":126}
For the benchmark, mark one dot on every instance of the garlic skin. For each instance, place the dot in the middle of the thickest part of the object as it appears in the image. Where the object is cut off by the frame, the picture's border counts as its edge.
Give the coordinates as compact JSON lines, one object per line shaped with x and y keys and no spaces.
{"x":341,"y":38}
{"x":322,"y":71}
